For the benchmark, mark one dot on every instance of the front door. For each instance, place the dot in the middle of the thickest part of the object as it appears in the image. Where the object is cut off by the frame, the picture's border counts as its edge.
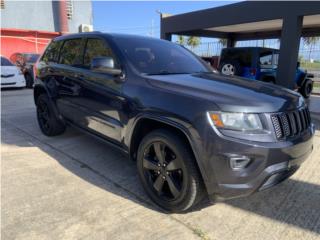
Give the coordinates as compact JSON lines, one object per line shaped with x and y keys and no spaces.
{"x":100,"y":101}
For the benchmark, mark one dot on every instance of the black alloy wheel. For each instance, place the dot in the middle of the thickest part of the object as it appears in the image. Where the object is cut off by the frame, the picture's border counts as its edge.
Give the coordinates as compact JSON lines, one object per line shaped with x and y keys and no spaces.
{"x":168,"y":171}
{"x":43,"y":115}
{"x":49,"y":124}
{"x":163,"y":170}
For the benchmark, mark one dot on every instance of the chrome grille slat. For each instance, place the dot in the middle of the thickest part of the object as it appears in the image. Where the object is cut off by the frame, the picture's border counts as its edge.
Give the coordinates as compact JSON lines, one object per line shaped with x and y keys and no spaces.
{"x":293,"y":125}
{"x":303,"y":121}
{"x":289,"y":124}
{"x":297,"y":117}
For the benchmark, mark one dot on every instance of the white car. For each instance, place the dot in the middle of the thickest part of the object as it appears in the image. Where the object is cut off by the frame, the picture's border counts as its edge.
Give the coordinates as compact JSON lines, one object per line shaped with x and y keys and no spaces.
{"x":11,"y":76}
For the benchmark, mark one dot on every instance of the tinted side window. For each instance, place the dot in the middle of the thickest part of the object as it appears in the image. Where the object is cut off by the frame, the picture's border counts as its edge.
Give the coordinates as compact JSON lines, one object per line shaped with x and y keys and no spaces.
{"x":243,"y":56}
{"x":72,"y":52}
{"x":52,"y":52}
{"x":265,"y":58}
{"x":96,"y":48}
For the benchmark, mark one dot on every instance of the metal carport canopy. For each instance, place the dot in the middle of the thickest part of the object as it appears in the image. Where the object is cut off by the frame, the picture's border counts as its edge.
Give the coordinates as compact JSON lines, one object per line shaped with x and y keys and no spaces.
{"x":253,"y":20}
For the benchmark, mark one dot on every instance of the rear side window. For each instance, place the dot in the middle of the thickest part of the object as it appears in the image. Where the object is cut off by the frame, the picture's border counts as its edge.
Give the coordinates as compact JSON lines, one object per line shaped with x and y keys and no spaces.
{"x":96,"y":48}
{"x":268,"y":58}
{"x":72,"y":53}
{"x":52,"y":52}
{"x":242,"y":56}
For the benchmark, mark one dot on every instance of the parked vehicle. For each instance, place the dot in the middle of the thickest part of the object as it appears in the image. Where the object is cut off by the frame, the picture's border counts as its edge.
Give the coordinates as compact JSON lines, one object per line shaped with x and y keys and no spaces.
{"x":11,"y":76}
{"x":26,"y":61}
{"x":192,"y":132}
{"x":260,"y":64}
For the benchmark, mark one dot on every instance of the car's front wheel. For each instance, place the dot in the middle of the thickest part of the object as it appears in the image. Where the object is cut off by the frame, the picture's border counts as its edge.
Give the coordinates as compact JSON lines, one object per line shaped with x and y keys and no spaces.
{"x":168,"y":171}
{"x":49,"y":124}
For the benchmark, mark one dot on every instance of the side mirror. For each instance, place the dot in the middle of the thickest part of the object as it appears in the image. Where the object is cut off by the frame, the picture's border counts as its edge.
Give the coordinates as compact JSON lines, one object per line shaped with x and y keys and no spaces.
{"x":298,"y":64}
{"x":104,"y":65}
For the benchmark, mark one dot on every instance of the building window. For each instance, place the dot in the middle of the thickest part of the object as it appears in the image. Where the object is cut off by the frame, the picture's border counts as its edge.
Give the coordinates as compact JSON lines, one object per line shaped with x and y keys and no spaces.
{"x":69,"y":6}
{"x":2,"y":4}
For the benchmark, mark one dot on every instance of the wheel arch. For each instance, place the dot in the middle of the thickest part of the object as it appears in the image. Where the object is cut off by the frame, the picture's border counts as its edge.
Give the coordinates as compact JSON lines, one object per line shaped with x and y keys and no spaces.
{"x":145,"y":124}
{"x":37,"y":91}
{"x":40,"y":89}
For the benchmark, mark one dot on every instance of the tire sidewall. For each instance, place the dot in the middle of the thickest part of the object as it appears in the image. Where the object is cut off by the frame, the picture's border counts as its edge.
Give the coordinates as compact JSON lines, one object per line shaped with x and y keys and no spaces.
{"x":305,"y":92}
{"x":56,"y":127}
{"x":43,"y":98}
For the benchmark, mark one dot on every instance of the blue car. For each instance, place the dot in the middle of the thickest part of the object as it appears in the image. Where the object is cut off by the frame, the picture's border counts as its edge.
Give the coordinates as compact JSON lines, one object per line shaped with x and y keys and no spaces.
{"x":258,"y":63}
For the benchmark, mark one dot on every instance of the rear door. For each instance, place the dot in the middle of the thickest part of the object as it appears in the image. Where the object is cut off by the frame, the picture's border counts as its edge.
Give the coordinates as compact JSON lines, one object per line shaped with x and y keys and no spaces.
{"x":68,"y":76}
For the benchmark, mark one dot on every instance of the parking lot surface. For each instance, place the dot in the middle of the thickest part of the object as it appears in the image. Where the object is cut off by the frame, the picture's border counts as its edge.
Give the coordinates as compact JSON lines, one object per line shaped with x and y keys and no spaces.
{"x":76,"y":187}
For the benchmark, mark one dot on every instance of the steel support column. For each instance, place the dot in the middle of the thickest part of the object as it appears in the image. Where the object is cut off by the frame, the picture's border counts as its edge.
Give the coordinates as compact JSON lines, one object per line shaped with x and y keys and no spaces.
{"x":289,"y":50}
{"x":231,"y":41}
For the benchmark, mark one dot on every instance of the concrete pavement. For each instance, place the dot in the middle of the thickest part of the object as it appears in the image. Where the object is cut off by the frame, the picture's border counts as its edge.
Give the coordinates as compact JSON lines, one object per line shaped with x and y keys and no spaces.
{"x":75,"y":187}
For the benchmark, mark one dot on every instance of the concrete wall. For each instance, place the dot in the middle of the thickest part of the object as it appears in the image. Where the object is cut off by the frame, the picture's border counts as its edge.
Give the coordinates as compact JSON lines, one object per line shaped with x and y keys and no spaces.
{"x":43,"y":15}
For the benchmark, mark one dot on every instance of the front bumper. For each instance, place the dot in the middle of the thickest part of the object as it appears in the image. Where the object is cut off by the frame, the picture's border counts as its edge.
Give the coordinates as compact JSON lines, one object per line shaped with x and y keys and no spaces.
{"x":271,"y":163}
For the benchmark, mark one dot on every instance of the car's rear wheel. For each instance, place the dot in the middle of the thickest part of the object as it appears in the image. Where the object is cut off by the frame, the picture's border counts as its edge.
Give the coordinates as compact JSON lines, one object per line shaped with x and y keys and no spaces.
{"x":306,"y":88}
{"x":168,"y":171}
{"x":49,"y":124}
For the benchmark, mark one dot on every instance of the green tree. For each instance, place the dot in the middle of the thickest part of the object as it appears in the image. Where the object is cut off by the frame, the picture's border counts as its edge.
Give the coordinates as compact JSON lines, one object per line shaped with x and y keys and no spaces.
{"x":311,"y":42}
{"x":181,"y":40}
{"x":193,"y":41}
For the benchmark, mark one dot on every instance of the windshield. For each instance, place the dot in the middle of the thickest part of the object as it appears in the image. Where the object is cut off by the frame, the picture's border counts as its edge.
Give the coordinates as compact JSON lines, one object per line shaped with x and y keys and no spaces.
{"x":5,"y":62}
{"x":153,"y":56}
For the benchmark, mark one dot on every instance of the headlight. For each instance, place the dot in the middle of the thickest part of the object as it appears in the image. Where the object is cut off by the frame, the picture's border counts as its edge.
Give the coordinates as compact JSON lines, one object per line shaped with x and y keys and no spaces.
{"x":244,"y":122}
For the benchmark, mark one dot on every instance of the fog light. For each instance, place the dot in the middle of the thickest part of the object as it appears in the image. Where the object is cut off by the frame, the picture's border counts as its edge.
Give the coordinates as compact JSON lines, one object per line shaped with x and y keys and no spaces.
{"x":239,"y":162}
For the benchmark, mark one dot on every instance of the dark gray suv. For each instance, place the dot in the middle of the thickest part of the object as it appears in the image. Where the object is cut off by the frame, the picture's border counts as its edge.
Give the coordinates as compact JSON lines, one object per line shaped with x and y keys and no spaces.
{"x":192,"y":132}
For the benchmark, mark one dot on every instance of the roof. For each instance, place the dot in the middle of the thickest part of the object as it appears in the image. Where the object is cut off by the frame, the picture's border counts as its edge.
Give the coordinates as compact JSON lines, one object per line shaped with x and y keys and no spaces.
{"x":103,"y":34}
{"x":244,"y":20}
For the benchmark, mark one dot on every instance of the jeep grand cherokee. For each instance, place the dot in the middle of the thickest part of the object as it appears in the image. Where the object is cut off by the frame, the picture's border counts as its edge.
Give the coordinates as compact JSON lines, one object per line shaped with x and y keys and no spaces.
{"x":191,"y":131}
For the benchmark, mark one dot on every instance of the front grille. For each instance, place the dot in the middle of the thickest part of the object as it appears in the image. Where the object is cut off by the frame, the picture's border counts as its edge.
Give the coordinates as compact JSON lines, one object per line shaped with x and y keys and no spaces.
{"x":291,"y":124}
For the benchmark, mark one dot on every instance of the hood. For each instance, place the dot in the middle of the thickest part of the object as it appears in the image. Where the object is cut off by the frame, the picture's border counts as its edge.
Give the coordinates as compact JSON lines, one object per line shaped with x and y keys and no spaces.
{"x":230,"y":93}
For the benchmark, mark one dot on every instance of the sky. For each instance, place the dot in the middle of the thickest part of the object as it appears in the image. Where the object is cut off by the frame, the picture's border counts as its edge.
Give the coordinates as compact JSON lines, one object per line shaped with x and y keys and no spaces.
{"x":141,"y":17}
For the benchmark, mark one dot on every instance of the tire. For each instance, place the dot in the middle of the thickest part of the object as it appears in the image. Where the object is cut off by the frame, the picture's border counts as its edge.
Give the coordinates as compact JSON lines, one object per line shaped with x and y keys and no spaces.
{"x":49,"y":124}
{"x":172,"y":180}
{"x":29,"y":81}
{"x":306,"y":88}
{"x":230,"y":68}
